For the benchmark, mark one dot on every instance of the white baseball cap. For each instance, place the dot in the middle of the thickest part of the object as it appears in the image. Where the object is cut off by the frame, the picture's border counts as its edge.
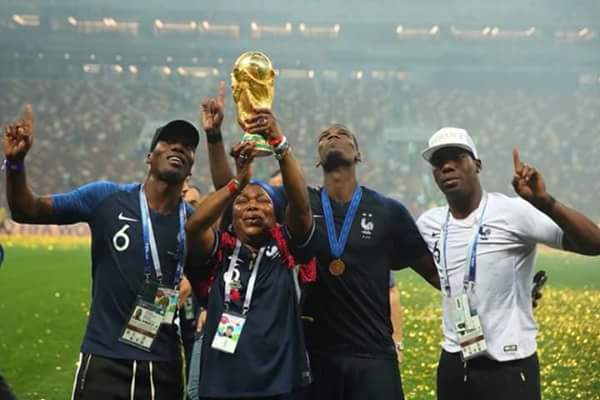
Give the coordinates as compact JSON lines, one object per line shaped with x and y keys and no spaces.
{"x":450,"y":137}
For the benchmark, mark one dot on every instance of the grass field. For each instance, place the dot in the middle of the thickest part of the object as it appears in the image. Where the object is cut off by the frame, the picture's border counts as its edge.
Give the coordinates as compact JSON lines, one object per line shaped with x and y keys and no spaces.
{"x":45,"y":299}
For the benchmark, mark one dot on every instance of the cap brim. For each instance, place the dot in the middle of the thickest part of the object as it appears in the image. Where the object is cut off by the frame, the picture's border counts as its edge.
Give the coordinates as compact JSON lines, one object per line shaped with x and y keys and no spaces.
{"x":428,"y":152}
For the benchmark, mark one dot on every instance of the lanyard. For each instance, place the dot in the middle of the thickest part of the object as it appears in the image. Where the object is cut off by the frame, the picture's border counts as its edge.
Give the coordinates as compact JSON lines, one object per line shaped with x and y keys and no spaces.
{"x":469,"y":278}
{"x":251,"y":282}
{"x":337,"y":245}
{"x":150,"y":248}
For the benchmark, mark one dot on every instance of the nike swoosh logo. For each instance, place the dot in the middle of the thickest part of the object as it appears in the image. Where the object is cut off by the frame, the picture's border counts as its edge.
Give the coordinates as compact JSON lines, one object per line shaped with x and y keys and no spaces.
{"x":124,"y":218}
{"x":317,"y":216}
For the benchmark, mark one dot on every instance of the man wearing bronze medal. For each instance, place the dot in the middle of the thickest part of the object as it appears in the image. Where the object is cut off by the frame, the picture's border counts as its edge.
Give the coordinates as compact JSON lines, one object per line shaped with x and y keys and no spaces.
{"x":364,"y":235}
{"x":485,"y":248}
{"x":395,"y":306}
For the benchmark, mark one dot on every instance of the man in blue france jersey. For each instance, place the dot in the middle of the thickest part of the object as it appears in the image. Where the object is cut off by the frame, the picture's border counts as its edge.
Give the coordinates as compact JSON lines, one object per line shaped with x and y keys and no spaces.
{"x":131,"y":347}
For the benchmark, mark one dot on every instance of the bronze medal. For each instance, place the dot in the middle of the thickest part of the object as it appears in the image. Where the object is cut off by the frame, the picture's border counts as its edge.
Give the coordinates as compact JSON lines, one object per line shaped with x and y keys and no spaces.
{"x":337,"y":267}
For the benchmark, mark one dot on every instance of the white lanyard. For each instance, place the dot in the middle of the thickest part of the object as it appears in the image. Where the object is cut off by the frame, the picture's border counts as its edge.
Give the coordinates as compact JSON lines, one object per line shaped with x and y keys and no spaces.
{"x":251,"y":282}
{"x":469,"y":278}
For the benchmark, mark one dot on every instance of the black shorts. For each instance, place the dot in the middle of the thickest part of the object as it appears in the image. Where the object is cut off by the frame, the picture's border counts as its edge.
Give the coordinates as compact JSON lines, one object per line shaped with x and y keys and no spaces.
{"x":342,"y":377}
{"x":101,"y":378}
{"x":483,"y":378}
{"x":300,"y":395}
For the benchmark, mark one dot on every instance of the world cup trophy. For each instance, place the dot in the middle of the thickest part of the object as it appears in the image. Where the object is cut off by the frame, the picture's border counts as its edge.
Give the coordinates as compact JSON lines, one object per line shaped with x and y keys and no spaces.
{"x":252,"y":83}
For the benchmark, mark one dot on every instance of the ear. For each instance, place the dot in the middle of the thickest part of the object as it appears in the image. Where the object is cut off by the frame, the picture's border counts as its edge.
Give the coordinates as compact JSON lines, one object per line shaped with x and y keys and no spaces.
{"x":478,"y":166}
{"x":358,"y":157}
{"x":148,"y":158}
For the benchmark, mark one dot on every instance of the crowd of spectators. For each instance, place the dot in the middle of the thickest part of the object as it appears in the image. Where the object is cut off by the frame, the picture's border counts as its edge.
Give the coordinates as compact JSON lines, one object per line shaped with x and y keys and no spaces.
{"x":90,"y":129}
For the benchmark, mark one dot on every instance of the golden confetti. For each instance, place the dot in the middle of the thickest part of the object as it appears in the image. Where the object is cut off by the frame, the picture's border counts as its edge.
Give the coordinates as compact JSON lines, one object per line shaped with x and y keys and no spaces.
{"x":568,"y":343}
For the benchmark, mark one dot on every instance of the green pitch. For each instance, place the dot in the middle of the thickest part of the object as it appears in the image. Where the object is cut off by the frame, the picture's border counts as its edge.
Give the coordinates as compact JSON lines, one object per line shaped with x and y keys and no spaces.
{"x":45,"y":300}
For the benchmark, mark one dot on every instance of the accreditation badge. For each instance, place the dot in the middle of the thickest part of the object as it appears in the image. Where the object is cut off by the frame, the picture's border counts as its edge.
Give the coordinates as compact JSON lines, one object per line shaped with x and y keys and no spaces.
{"x":228,"y":332}
{"x":468,"y":327}
{"x":143,"y":325}
{"x":167,"y":299}
{"x":189,"y":308}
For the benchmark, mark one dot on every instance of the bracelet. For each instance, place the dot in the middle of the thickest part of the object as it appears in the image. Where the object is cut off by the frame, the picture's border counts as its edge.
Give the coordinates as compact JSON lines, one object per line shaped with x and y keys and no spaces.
{"x":214,"y":137}
{"x":233,"y":186}
{"x":281,"y":148}
{"x":17,"y":166}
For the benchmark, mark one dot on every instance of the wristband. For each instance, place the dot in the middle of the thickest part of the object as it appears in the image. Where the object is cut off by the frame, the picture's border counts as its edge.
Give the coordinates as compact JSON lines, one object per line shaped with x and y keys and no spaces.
{"x":550,"y":205}
{"x":233,"y":186}
{"x":17,"y":166}
{"x":214,"y":137}
{"x":281,"y":148}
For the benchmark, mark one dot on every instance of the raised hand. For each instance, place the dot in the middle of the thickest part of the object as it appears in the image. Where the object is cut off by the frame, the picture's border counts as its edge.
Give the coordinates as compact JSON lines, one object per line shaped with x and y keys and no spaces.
{"x":243,"y":153}
{"x":529,"y":183}
{"x":263,"y":123}
{"x":212,"y":111}
{"x":18,"y":137}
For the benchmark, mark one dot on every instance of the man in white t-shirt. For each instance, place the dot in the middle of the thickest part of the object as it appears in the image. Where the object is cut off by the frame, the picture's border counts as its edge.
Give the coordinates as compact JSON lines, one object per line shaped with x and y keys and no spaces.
{"x":484,"y":245}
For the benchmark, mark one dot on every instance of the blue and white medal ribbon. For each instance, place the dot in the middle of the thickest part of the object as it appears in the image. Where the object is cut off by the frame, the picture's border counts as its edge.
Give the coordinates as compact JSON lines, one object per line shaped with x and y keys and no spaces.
{"x":337,"y":245}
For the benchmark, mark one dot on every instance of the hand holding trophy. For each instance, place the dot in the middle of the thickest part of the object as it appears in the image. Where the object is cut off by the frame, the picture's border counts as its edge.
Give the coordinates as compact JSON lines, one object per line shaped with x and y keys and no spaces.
{"x":252,"y":83}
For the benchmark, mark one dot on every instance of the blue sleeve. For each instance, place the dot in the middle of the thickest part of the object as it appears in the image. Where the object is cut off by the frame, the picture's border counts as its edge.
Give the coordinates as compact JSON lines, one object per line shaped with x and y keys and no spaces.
{"x":303,"y":250}
{"x":79,"y":204}
{"x":405,"y":231}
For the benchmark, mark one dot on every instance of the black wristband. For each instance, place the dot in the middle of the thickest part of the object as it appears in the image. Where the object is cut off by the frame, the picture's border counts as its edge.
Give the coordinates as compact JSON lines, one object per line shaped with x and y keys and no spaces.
{"x":18,"y":166}
{"x":214,"y":137}
{"x":551,"y":204}
{"x":548,"y":206}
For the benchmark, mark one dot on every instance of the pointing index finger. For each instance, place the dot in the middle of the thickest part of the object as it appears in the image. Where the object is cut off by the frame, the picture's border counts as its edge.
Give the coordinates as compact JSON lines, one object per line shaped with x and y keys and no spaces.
{"x":516,"y":159}
{"x":28,"y":113}
{"x":221,"y":98}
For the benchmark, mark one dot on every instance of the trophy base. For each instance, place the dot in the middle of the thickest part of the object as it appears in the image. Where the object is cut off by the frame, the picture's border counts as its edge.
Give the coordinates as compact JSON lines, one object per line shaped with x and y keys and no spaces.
{"x":262,"y":149}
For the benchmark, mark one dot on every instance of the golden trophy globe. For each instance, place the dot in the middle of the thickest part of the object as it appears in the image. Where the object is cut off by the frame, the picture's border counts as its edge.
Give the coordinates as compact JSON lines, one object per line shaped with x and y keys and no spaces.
{"x":252,"y":83}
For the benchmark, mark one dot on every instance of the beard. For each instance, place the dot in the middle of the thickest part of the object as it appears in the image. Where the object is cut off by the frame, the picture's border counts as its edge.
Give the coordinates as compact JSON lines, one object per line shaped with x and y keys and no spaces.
{"x":172,"y":177}
{"x":334,"y":160}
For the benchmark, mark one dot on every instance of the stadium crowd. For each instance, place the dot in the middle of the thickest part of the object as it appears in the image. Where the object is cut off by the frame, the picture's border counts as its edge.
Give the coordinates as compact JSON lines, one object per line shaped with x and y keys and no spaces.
{"x":80,"y":122}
